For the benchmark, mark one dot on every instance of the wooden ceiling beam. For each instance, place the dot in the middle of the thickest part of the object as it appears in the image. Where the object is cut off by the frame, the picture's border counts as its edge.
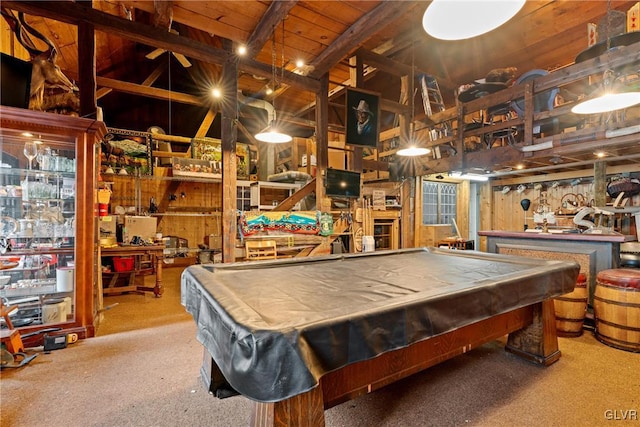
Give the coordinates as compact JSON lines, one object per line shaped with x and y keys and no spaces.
{"x":368,"y":25}
{"x":277,"y":11}
{"x":393,"y":67}
{"x":149,"y":92}
{"x":76,"y":13}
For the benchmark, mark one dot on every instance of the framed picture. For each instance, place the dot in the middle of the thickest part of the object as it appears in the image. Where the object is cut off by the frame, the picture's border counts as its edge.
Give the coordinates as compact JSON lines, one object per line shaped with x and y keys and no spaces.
{"x":210,"y":149}
{"x":363,"y":114}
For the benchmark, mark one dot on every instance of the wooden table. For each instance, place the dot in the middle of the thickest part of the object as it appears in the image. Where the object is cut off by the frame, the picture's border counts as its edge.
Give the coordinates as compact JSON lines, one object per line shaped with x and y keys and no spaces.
{"x":299,"y":336}
{"x":157,"y":254}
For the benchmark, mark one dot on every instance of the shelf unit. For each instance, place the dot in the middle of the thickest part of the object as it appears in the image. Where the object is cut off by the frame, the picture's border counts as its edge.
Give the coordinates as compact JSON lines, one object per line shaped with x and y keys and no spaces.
{"x":49,"y":209}
{"x":266,"y":195}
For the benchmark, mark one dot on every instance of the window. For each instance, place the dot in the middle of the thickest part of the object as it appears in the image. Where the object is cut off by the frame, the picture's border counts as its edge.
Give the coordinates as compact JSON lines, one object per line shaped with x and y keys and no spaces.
{"x":439,"y":200}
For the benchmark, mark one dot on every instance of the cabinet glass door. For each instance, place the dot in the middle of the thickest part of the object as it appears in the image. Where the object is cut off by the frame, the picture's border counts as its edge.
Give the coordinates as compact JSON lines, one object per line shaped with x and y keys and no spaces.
{"x":37,"y":228}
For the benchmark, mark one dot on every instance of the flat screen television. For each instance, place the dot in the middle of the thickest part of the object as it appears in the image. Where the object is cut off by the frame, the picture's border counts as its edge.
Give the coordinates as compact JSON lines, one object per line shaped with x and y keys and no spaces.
{"x":15,"y":81}
{"x":342,"y":183}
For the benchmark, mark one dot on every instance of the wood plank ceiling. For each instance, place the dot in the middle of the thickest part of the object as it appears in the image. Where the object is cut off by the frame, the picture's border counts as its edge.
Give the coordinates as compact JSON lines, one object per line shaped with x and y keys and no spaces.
{"x":544,"y":35}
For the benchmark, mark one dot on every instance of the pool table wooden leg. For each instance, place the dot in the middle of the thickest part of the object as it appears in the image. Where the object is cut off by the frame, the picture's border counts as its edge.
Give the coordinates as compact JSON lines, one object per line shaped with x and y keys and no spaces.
{"x":304,"y":410}
{"x":537,"y":342}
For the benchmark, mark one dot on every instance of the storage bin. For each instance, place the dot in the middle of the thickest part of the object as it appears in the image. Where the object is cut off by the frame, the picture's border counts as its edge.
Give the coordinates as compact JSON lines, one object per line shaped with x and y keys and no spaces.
{"x":54,"y":312}
{"x":123,"y":263}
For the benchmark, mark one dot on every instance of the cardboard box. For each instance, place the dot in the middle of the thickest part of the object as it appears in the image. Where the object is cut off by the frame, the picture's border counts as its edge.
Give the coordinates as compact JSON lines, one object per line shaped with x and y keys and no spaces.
{"x":213,"y":241}
{"x":143,"y":226}
{"x":107,"y":225}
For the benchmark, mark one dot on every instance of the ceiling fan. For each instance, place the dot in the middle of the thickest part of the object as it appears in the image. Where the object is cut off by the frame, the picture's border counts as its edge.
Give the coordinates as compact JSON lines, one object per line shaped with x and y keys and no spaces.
{"x":159,"y":51}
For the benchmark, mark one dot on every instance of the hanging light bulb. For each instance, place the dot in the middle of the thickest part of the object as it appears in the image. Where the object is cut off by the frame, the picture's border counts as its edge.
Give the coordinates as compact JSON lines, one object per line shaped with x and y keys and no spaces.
{"x":271,"y":134}
{"x":459,"y":20}
{"x":609,"y":97}
{"x":413,"y":151}
{"x":612,"y":95}
{"x":411,"y":148}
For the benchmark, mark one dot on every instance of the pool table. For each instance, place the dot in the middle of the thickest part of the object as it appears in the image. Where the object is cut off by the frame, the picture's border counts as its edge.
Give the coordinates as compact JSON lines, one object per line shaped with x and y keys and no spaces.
{"x":298,"y":336}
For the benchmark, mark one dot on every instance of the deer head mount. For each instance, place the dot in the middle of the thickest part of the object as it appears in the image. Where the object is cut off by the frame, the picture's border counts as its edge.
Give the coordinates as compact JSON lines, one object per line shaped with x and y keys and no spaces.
{"x":51,"y":90}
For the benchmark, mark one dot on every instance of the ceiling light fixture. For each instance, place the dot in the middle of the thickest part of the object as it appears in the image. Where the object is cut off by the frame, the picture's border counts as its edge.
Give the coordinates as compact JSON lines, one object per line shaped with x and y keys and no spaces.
{"x":468,"y":176}
{"x":609,"y":97}
{"x":413,"y":151}
{"x":612,"y":95}
{"x":271,"y":134}
{"x":459,"y":20}
{"x":474,"y":177}
{"x":411,"y":148}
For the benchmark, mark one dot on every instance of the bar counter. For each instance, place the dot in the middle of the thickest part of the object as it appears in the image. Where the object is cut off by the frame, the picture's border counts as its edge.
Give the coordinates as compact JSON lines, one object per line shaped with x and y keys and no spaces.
{"x":594,"y":252}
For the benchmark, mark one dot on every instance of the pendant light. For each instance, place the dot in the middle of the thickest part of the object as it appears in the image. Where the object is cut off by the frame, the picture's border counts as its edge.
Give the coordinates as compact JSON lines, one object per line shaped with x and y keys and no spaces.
{"x":459,"y":20}
{"x":411,"y":149}
{"x":611,"y":95}
{"x":271,"y":134}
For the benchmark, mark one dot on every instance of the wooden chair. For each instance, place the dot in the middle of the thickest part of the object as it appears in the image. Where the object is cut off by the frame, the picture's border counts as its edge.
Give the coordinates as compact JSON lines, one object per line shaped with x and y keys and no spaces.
{"x":259,"y":250}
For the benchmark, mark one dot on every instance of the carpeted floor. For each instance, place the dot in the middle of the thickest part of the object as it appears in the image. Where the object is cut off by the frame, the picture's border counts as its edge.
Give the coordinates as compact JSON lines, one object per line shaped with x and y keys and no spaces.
{"x":142,"y":369}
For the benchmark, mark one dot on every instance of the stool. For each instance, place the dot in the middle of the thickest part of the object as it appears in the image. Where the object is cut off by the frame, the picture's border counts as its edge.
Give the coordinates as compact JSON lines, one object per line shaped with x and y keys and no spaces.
{"x":571,"y":309}
{"x":616,"y":308}
{"x":497,"y":114}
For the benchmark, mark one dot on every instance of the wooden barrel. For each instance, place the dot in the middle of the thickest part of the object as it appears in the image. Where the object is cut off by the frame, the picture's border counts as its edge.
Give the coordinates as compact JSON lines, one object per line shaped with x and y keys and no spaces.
{"x":571,"y":309}
{"x":616,"y":308}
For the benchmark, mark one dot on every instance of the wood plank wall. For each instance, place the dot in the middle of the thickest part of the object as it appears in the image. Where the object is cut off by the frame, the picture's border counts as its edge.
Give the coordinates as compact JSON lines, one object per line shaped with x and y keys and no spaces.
{"x":500,"y":211}
{"x":191,"y":197}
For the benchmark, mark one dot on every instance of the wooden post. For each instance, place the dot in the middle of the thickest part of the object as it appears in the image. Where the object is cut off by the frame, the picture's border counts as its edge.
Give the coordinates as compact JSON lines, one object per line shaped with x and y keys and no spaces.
{"x":322,"y":138}
{"x":228,"y":134}
{"x":600,"y":183}
{"x":87,"y":69}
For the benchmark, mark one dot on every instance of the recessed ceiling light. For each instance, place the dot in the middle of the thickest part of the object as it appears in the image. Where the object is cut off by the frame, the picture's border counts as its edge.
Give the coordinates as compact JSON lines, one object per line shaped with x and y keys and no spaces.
{"x":459,"y":20}
{"x":242,"y":50}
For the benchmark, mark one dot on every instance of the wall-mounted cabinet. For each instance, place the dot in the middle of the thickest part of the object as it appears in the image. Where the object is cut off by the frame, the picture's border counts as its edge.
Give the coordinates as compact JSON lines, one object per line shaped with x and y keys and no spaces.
{"x":386,"y":229}
{"x":48,"y":251}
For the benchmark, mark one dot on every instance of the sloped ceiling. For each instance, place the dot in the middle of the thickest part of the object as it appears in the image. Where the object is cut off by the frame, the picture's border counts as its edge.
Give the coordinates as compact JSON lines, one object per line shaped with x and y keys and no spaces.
{"x":545,"y":35}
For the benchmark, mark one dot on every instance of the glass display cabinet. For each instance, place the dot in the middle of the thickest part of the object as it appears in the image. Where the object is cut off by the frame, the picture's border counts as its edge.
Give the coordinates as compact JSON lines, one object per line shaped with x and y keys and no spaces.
{"x":47,"y":219}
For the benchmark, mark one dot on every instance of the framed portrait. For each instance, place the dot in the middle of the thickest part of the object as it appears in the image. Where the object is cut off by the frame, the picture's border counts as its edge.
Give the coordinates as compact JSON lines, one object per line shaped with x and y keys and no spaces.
{"x":363,"y":118}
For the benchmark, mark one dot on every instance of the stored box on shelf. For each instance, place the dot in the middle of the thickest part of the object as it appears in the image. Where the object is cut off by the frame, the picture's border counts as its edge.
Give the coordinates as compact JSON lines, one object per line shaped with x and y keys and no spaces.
{"x":107,"y":225}
{"x":175,"y":246}
{"x":213,"y":241}
{"x":142,"y":226}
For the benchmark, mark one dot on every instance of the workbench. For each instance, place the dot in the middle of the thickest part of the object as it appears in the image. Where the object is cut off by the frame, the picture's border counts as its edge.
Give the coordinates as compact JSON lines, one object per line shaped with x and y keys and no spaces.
{"x":155,"y":252}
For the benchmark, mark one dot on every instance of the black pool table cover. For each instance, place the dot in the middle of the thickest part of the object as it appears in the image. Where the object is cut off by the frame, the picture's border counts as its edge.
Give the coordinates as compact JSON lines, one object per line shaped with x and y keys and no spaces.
{"x":275,"y":327}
